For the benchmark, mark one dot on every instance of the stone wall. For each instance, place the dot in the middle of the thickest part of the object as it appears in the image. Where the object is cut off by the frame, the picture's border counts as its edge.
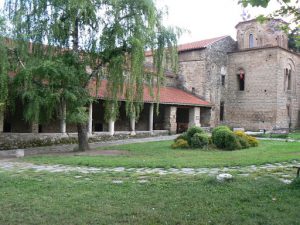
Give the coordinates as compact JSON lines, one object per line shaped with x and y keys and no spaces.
{"x":19,"y":140}
{"x":264,"y":35}
{"x":263,"y":103}
{"x":202,"y":71}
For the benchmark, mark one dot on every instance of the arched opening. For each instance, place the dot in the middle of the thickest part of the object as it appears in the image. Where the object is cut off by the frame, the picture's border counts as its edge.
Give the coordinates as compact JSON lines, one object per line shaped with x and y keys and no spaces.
{"x":251,"y":41}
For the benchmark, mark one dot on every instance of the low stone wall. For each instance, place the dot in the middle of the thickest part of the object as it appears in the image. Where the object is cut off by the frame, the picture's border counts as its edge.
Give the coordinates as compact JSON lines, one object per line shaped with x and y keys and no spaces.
{"x":29,"y":140}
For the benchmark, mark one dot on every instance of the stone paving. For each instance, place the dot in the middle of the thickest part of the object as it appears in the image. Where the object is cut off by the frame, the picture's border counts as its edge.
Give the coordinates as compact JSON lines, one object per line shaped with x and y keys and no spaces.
{"x":283,"y":171}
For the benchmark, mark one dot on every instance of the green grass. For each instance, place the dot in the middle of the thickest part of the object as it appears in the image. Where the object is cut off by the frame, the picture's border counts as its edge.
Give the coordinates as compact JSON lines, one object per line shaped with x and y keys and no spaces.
{"x":295,"y":135}
{"x":42,"y":198}
{"x":159,"y":154}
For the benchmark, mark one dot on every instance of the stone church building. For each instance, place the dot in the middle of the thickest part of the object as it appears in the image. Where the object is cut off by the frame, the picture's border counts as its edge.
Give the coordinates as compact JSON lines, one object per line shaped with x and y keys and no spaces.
{"x":251,"y":83}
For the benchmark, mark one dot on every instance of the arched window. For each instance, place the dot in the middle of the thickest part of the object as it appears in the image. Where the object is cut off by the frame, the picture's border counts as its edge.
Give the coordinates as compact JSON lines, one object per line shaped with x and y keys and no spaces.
{"x":251,"y":41}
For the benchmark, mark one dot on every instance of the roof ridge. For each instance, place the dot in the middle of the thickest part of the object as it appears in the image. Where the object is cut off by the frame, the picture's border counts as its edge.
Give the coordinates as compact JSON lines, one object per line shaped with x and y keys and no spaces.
{"x":200,"y":44}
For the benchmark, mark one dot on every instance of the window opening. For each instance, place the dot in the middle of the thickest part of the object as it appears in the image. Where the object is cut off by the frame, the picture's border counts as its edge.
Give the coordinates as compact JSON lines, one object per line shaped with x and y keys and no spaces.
{"x":289,"y":79}
{"x":222,"y":111}
{"x":223,"y":80}
{"x":251,"y":41}
{"x":241,"y":80}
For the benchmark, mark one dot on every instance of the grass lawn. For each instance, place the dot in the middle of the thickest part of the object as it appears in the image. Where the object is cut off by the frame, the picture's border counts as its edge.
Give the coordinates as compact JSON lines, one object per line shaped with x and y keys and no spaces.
{"x":160,"y":154}
{"x":43,"y":198}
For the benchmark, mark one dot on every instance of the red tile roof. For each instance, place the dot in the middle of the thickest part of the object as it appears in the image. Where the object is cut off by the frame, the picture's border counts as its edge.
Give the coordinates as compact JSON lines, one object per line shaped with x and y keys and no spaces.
{"x":168,"y":95}
{"x":199,"y":44}
{"x":195,"y":45}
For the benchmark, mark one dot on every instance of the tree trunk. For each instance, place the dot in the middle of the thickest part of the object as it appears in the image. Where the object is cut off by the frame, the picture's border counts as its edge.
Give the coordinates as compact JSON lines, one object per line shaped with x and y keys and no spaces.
{"x":83,"y":143}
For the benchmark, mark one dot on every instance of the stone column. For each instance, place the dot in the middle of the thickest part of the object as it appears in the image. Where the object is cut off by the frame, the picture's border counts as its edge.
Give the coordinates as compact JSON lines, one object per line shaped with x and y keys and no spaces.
{"x":35,"y":127}
{"x":132,"y":126}
{"x":111,"y":127}
{"x":170,"y":119}
{"x":63,"y":125}
{"x":1,"y":121}
{"x":90,"y":125}
{"x":151,"y":118}
{"x":194,"y":117}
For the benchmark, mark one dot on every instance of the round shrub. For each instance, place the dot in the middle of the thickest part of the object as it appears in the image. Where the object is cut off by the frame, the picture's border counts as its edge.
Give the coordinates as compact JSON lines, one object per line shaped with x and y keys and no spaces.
{"x":226,"y":139}
{"x":193,"y":130}
{"x":216,"y":129}
{"x":180,"y":143}
{"x":231,"y":141}
{"x":199,"y":140}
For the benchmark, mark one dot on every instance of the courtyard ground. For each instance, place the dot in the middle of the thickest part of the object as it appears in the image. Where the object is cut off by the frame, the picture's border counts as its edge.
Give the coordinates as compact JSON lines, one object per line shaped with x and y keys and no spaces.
{"x":169,"y":187}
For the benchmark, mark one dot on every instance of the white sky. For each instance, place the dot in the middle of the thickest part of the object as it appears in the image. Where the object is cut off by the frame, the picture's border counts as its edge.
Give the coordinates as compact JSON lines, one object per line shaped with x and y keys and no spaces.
{"x":206,"y":18}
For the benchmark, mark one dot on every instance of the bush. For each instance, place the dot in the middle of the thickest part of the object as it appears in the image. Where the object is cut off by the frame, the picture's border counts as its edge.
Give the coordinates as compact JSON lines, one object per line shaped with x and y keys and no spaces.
{"x":180,"y":143}
{"x":226,"y":139}
{"x":182,"y":136}
{"x":253,"y":142}
{"x":191,"y":131}
{"x":243,"y":141}
{"x":231,"y":141}
{"x":199,"y":140}
{"x":216,"y":129}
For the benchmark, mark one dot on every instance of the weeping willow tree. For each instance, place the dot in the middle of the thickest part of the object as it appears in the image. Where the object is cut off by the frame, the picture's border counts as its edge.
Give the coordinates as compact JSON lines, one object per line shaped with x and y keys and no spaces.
{"x":3,"y":72}
{"x":61,"y":45}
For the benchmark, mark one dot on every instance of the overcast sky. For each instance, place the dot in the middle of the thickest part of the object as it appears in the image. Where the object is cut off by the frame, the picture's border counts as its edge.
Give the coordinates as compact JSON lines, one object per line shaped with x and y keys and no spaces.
{"x":206,"y":18}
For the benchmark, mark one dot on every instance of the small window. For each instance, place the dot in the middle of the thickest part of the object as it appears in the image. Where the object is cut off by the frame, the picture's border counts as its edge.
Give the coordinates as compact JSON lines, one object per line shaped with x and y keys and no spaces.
{"x":241,"y":80}
{"x":223,"y":80}
{"x":251,"y":41}
{"x":288,"y":79}
{"x":222,"y":111}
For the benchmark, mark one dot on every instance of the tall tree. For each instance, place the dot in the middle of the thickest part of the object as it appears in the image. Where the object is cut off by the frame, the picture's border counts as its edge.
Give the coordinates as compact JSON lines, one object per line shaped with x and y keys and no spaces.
{"x":60,"y":45}
{"x":3,"y":73}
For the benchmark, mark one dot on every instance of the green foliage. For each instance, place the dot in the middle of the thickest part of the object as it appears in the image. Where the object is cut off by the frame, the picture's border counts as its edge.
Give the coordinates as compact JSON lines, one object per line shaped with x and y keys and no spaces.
{"x":243,"y":142}
{"x":199,"y":140}
{"x":183,"y":136}
{"x":226,"y":139}
{"x":294,"y":40}
{"x":3,"y":68}
{"x":296,"y":183}
{"x":193,"y":130}
{"x":251,"y":141}
{"x":215,"y":130}
{"x":114,"y":35}
{"x":43,"y":86}
{"x":180,"y":143}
